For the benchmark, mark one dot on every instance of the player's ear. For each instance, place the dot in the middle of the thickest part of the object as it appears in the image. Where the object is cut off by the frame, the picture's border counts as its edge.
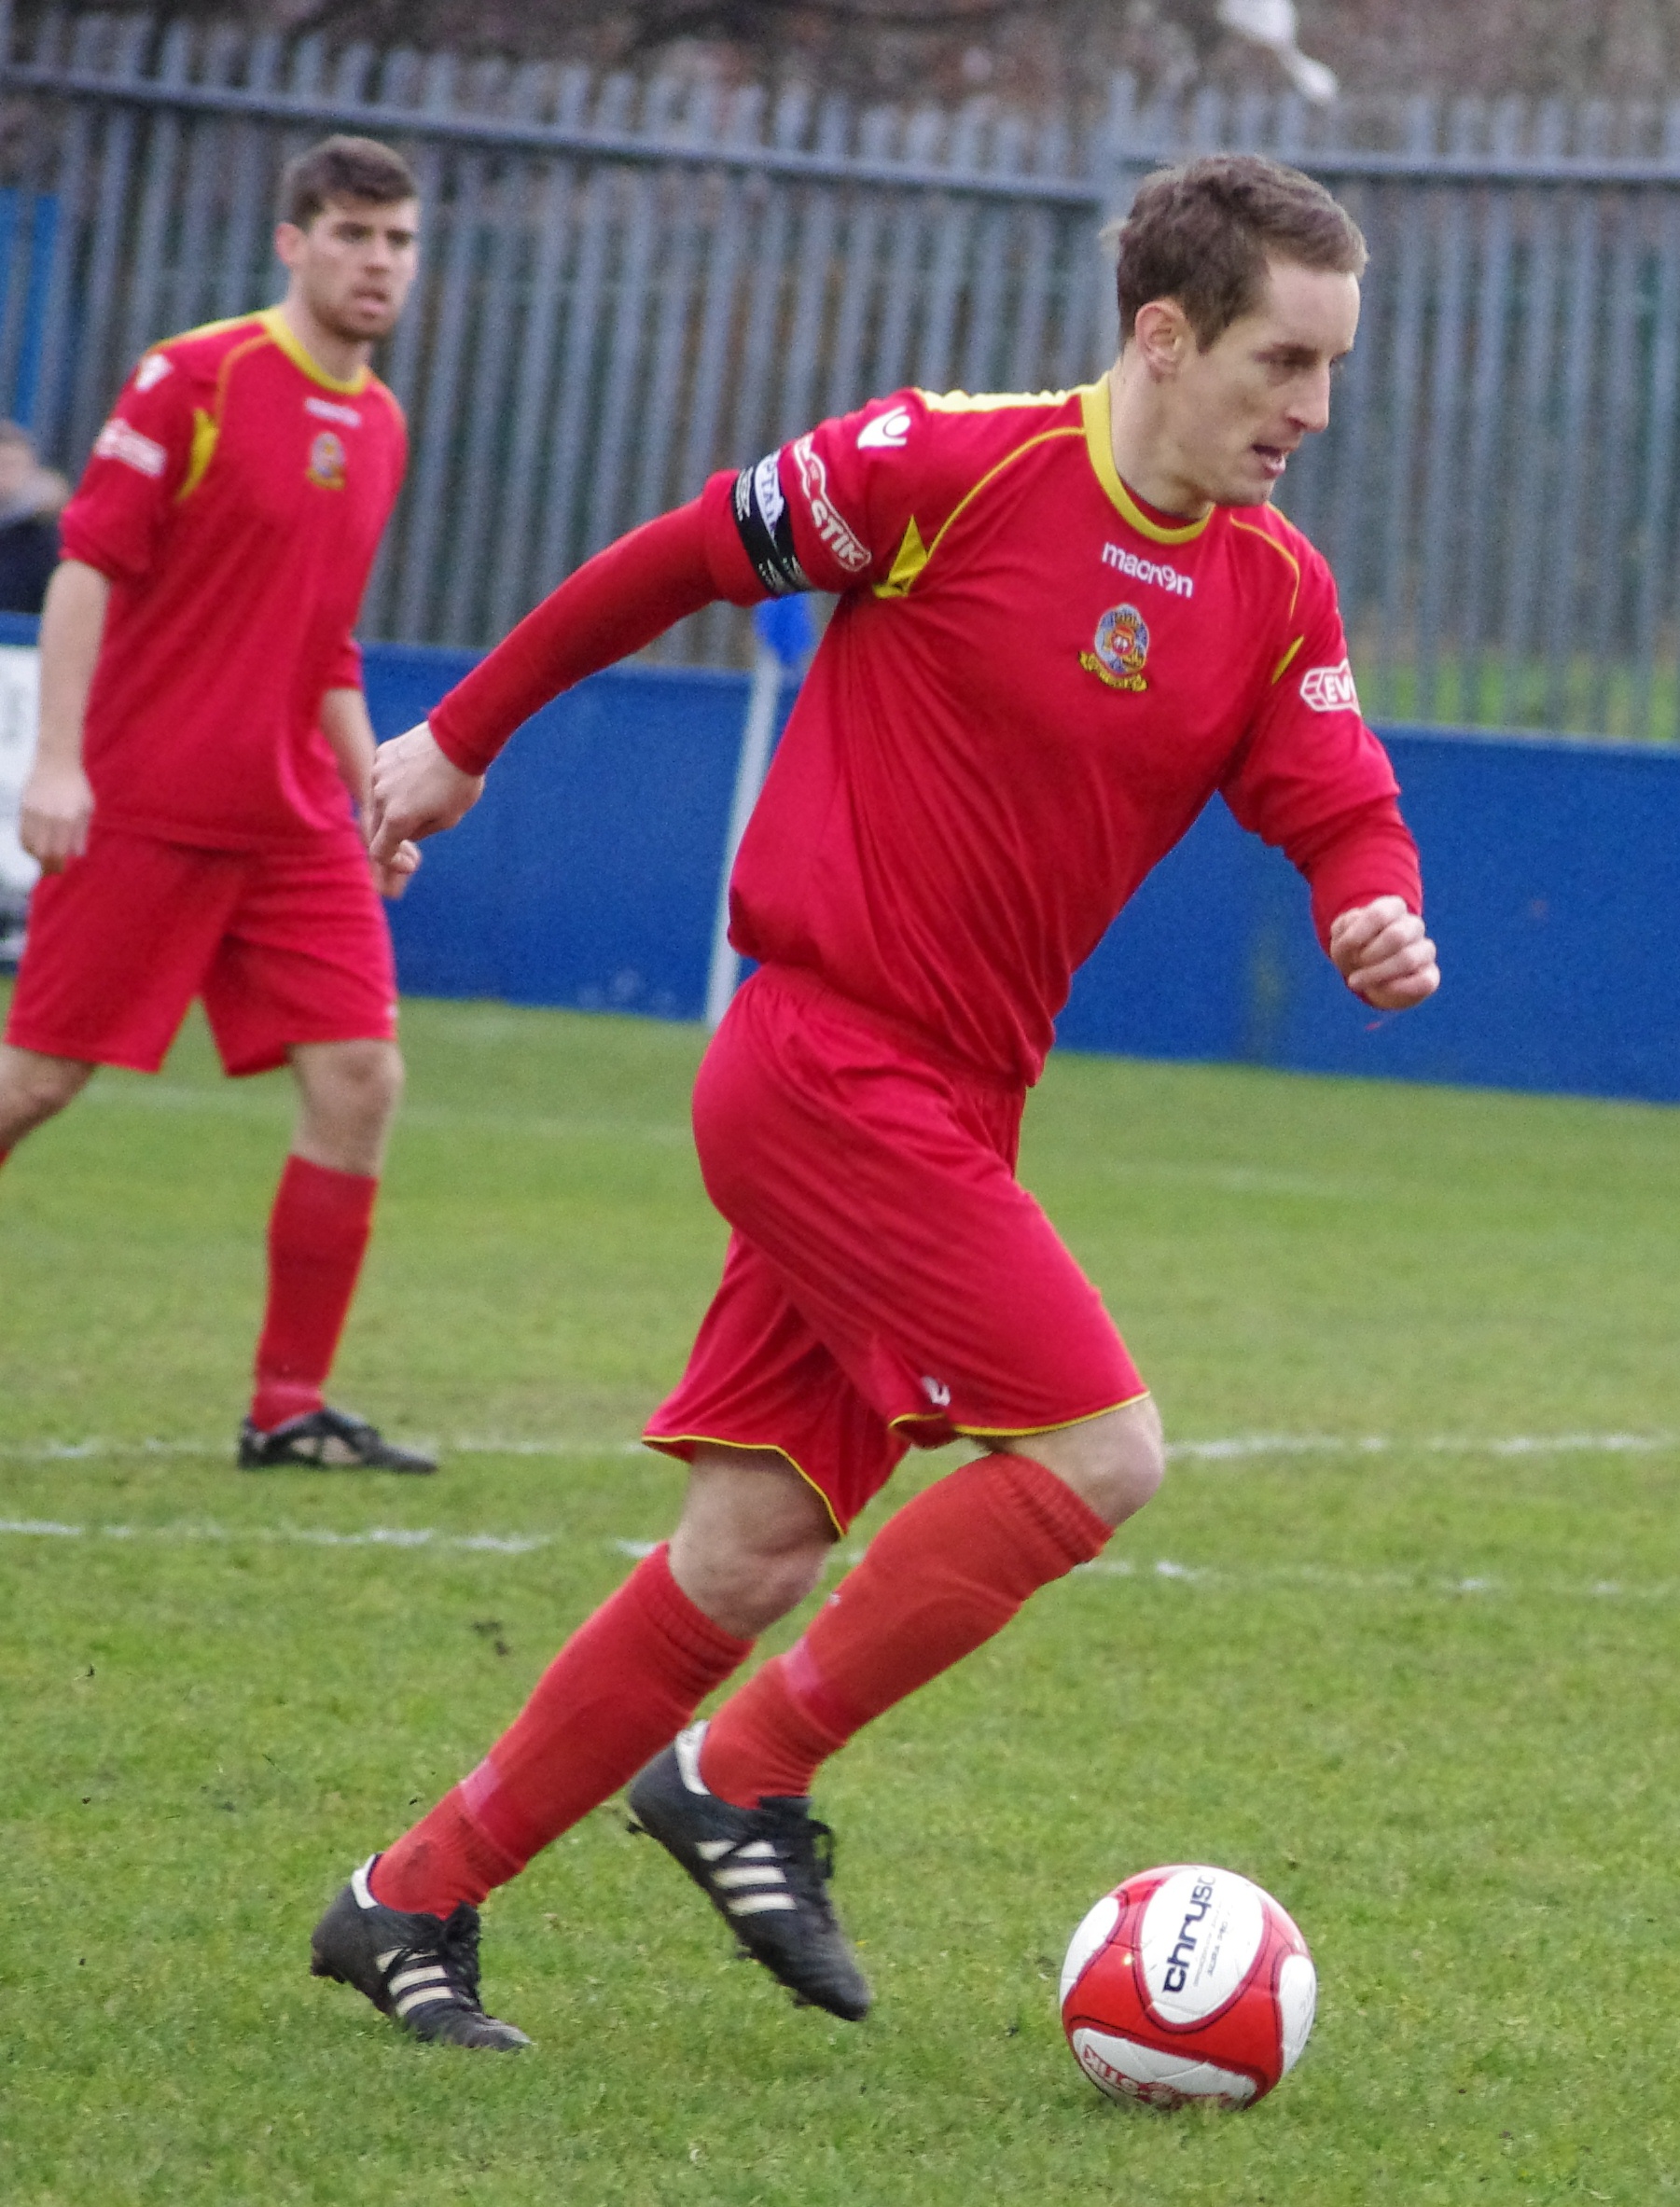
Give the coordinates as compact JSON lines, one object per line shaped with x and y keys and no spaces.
{"x":288,"y":243}
{"x":1163,"y":337}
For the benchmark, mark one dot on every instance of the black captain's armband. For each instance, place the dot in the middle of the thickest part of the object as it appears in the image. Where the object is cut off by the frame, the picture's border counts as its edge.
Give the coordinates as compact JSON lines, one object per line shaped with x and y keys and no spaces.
{"x":766,"y":528}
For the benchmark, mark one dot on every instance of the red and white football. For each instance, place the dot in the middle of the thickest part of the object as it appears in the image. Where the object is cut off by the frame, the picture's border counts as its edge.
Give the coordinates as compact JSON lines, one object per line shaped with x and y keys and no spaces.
{"x":1188,"y":1984}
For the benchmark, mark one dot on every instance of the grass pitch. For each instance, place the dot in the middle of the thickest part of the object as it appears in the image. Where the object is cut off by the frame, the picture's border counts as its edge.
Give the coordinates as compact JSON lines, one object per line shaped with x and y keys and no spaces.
{"x":1397,"y":1639}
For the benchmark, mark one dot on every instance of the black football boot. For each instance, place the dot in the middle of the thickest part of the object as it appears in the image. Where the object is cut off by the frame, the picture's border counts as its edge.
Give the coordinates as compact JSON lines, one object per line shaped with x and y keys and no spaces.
{"x":765,"y":1870}
{"x":420,"y":1970}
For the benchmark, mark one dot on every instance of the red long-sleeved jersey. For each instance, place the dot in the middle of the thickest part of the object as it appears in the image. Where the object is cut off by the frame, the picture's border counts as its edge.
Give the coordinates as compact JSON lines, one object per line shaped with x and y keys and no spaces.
{"x":234,"y":501}
{"x":1032,"y":687}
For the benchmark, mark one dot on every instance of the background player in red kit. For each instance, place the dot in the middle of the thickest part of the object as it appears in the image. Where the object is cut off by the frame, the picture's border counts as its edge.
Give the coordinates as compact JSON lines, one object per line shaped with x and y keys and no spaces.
{"x":203,"y":739}
{"x":1065,"y":622}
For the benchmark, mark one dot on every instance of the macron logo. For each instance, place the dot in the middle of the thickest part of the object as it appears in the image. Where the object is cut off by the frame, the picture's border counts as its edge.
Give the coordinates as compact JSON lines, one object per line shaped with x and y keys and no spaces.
{"x":152,"y":369}
{"x":1156,"y":570}
{"x":1330,"y":690}
{"x":886,"y":432}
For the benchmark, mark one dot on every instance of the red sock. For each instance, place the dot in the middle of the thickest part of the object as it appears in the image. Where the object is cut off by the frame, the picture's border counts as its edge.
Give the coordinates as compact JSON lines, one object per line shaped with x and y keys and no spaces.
{"x":317,"y":1235}
{"x":940,"y":1580}
{"x":622,"y":1687}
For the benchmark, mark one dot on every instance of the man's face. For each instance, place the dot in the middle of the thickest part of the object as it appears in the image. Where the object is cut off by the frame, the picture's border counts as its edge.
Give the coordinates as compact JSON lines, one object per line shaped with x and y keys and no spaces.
{"x":1239,"y":408}
{"x":354,"y":265}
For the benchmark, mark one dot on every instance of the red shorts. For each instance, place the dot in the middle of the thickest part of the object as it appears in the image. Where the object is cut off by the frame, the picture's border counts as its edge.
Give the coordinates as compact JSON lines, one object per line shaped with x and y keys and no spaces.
{"x":285,"y":946}
{"x":889,"y":1281}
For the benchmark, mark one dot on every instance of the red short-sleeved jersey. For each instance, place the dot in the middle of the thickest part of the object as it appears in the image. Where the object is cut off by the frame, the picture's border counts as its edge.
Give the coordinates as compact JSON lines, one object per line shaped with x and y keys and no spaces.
{"x":234,"y":499}
{"x":1030,"y":689}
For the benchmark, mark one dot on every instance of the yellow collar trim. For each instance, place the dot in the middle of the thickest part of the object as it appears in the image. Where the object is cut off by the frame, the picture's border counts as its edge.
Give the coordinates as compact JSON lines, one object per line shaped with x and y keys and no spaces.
{"x":273,"y":320}
{"x":1099,"y":444}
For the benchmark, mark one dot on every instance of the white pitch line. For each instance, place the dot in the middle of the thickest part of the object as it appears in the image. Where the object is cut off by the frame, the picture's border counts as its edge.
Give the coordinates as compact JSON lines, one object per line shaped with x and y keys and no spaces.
{"x":1310,"y":1577}
{"x":1379,"y":1444}
{"x":187,"y":1534}
{"x":234,"y":1103}
{"x":1237,"y":1448}
{"x":96,"y":1449}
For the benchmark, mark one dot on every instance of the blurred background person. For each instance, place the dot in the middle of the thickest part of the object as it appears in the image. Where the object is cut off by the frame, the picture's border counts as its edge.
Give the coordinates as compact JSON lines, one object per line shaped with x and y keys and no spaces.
{"x":31,"y":499}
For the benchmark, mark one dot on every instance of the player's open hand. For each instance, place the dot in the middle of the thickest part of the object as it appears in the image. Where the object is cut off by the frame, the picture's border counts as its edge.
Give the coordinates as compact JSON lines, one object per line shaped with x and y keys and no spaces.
{"x":53,"y":813}
{"x":392,"y":876}
{"x":1381,"y":951}
{"x":417,"y":791}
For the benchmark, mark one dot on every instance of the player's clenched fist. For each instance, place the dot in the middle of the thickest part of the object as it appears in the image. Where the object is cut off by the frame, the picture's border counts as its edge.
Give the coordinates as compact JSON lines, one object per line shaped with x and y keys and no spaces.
{"x":53,"y":814}
{"x":416,"y":792}
{"x":1382,"y":954}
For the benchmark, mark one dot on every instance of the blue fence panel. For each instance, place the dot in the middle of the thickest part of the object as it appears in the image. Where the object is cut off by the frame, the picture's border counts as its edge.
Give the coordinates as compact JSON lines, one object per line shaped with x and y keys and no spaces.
{"x":28,"y":229}
{"x":1552,"y":873}
{"x":1552,"y":877}
{"x":586,"y":875}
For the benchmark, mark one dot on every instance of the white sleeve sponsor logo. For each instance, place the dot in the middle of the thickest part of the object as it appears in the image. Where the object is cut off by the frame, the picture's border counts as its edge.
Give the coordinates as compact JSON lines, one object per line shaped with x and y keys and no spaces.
{"x":886,"y":433}
{"x":152,"y":369}
{"x":834,"y":530}
{"x":767,"y":489}
{"x":120,"y":440}
{"x":1330,"y":690}
{"x":327,"y":409}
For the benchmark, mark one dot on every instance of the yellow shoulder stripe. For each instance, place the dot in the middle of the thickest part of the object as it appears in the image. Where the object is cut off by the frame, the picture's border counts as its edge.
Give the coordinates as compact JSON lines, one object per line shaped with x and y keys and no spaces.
{"x":205,"y":430}
{"x":908,"y":562}
{"x":912,"y":558}
{"x":1283,"y":666}
{"x":989,"y":402}
{"x":207,"y":427}
{"x":205,"y":329}
{"x":1283,"y":552}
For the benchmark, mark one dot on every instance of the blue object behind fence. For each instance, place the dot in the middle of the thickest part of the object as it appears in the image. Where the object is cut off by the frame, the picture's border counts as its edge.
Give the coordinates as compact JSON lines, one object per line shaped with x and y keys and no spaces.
{"x":588,"y":875}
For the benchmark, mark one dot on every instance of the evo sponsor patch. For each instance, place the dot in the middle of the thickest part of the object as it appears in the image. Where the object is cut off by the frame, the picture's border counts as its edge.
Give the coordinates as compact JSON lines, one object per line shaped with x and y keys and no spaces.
{"x":1330,"y":690}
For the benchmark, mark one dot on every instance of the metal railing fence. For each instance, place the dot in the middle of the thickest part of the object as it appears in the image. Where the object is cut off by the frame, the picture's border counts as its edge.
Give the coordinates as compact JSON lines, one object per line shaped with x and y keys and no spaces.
{"x":633,"y":281}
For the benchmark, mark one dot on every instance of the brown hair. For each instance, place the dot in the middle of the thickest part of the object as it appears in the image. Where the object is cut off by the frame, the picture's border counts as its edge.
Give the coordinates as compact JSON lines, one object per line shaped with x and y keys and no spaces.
{"x":1202,"y":233}
{"x":341,"y":168}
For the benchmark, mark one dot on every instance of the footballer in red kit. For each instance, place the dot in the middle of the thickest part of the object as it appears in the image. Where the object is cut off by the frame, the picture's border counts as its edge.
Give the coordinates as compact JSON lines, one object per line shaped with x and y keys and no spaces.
{"x":1065,"y":621}
{"x":204,"y":750}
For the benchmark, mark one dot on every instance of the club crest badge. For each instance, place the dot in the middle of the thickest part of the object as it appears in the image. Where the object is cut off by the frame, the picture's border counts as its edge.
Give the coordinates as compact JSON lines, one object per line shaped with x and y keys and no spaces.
{"x":327,"y":461}
{"x":1120,"y":647}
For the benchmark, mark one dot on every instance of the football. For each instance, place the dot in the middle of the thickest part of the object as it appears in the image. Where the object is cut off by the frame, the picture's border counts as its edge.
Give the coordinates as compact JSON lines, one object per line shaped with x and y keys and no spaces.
{"x":1188,"y":1984}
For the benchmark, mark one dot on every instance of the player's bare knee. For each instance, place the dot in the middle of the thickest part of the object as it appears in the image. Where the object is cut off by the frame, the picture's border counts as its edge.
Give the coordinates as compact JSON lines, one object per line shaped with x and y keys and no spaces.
{"x":1115,"y":1464}
{"x":367,"y":1081}
{"x":753,"y":1540}
{"x":350,"y":1092}
{"x":34,"y":1088}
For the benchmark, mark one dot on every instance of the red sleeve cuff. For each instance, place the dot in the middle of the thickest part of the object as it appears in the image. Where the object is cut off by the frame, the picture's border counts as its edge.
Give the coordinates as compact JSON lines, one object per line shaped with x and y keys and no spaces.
{"x":734,"y":573}
{"x":346,"y":670}
{"x":74,"y":543}
{"x":1357,"y":857}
